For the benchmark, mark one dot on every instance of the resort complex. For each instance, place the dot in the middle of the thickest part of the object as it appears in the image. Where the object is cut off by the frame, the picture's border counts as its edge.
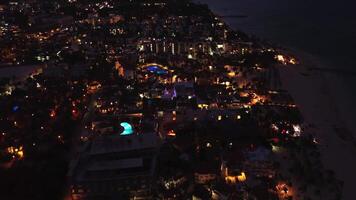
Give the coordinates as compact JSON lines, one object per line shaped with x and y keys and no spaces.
{"x":148,"y":99}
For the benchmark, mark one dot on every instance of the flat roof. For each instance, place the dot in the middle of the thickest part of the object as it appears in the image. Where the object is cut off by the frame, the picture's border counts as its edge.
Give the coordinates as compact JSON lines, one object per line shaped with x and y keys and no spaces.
{"x":116,"y":164}
{"x":121,"y":143}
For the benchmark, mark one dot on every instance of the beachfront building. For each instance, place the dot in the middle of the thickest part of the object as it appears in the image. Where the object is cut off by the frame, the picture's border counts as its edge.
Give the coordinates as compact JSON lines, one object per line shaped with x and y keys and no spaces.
{"x":120,"y":165}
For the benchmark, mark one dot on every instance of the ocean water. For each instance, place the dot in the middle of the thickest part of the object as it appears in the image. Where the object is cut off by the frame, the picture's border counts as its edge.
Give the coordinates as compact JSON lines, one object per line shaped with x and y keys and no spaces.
{"x":325,"y":31}
{"x":323,"y":28}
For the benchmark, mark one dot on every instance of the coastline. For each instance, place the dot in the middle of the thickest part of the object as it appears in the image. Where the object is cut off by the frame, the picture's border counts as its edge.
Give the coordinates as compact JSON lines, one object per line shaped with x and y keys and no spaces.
{"x":166,"y":100}
{"x":325,"y":107}
{"x":321,"y":94}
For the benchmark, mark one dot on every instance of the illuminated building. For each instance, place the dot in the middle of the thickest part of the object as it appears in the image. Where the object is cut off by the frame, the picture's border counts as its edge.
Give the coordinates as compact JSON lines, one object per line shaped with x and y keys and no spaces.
{"x":119,"y":68}
{"x":93,"y":87}
{"x":16,"y":152}
{"x":232,"y":174}
{"x":205,"y":172}
{"x":204,"y":177}
{"x":113,"y":164}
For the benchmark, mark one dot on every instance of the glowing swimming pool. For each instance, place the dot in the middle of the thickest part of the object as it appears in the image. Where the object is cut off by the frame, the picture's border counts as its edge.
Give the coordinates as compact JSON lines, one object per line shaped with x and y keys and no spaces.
{"x":127,"y":128}
{"x":155,"y":69}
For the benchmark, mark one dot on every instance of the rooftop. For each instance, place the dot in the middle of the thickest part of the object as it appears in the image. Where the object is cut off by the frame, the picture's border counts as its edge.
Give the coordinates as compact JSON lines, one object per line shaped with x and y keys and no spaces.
{"x":117,"y":143}
{"x":116,"y":164}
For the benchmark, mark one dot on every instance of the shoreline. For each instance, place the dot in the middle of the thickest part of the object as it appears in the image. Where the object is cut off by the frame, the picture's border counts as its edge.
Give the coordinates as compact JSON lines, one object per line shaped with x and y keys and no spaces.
{"x":315,"y":96}
{"x":315,"y":88}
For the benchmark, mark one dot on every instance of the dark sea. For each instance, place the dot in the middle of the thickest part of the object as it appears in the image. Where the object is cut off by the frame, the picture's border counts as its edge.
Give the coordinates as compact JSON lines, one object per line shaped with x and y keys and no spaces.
{"x":323,"y":28}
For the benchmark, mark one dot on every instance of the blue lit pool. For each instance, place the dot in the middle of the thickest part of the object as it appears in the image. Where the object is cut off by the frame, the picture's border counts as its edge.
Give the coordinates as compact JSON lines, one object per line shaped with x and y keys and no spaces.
{"x":127,"y":128}
{"x":156,"y":70}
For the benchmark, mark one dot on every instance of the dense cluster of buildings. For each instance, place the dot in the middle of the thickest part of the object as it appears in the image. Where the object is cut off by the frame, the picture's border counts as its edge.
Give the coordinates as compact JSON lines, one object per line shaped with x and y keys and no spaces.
{"x":143,"y":99}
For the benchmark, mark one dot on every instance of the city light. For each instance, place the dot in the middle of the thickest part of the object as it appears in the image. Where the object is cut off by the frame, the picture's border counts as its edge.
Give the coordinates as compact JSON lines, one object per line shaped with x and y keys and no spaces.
{"x":171,"y":133}
{"x":161,"y":99}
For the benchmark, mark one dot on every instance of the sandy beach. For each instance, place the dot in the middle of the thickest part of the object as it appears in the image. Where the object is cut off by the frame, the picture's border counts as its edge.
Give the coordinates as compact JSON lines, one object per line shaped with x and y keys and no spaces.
{"x":326,"y":104}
